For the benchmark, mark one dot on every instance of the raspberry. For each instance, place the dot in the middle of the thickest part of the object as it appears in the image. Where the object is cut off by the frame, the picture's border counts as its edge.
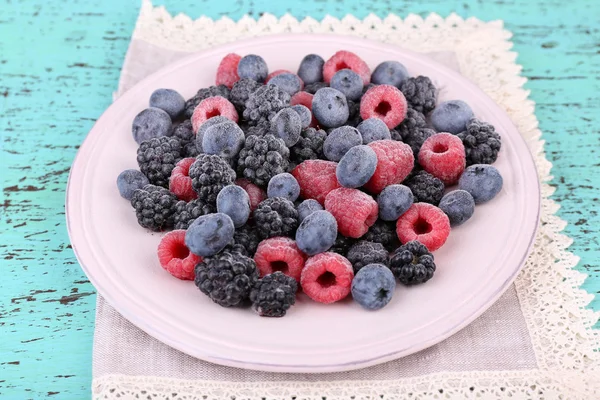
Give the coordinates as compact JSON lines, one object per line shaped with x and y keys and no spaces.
{"x":425,"y":187}
{"x":316,"y":178}
{"x":425,"y":223}
{"x":305,"y":99}
{"x":212,"y":107}
{"x":327,"y":277}
{"x":175,"y":257}
{"x":346,"y":60}
{"x":354,"y":211}
{"x":180,"y":183}
{"x":443,"y":156}
{"x":395,"y":160}
{"x":227,"y":72}
{"x":385,"y":102}
{"x":255,"y":193}
{"x":279,"y":254}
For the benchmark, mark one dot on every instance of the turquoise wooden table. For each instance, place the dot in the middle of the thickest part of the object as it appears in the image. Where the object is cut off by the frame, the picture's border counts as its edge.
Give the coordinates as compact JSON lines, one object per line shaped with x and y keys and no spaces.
{"x":59,"y":64}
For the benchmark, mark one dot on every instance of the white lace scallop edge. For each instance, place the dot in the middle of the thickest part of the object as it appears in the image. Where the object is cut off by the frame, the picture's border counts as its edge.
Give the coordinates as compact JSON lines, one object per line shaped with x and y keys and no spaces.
{"x":560,"y":326}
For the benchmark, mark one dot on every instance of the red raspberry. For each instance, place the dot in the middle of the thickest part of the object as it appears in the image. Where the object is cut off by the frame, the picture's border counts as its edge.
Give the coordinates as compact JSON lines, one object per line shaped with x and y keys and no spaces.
{"x":385,"y":102}
{"x":211,"y":107}
{"x":279,"y":254}
{"x":327,"y":277}
{"x":316,"y":179}
{"x":227,"y":72}
{"x":175,"y":257}
{"x":180,"y":183}
{"x":443,"y":156}
{"x":305,"y":99}
{"x":346,"y":60}
{"x":255,"y":193}
{"x":425,"y":223}
{"x":395,"y":160}
{"x":354,"y":211}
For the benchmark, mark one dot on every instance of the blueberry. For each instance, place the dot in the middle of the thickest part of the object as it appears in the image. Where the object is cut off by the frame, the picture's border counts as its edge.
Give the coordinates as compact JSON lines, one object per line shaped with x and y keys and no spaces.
{"x":207,"y":124}
{"x":287,"y":125}
{"x":225,"y":139}
{"x":308,"y":207}
{"x":284,"y":185}
{"x":253,"y":67}
{"x":482,"y":181}
{"x":373,"y":286}
{"x":458,"y":205}
{"x":373,"y":129}
{"x":339,"y":141}
{"x":330,"y":107}
{"x":311,"y":69}
{"x":168,"y":100}
{"x":209,"y":234}
{"x":349,"y":83}
{"x":356,"y":167}
{"x":316,"y":233}
{"x":129,"y":181}
{"x":150,"y":123}
{"x":451,"y":116}
{"x":289,"y":83}
{"x":234,"y":201}
{"x":389,"y":73}
{"x":394,"y":201}
{"x":304,"y":113}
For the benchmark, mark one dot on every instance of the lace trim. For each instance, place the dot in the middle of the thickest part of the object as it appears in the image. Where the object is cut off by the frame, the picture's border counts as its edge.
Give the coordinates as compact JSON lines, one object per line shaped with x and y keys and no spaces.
{"x":548,"y":288}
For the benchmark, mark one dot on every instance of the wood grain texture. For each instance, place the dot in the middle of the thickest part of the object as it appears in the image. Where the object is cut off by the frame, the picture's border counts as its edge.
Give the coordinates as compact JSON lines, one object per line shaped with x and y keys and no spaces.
{"x":59,"y":64}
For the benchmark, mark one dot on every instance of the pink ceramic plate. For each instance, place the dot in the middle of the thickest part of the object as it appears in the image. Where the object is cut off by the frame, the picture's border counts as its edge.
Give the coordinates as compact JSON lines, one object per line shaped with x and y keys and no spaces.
{"x":476,"y":265}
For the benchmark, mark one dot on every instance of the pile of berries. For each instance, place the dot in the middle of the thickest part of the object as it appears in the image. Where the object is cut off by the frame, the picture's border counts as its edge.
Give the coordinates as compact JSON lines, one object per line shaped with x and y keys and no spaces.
{"x":334,"y":180}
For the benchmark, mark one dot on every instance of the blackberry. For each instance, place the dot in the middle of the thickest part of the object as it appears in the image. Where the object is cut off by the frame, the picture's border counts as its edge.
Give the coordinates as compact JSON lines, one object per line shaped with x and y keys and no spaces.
{"x":186,"y":212}
{"x":210,"y":173}
{"x":310,"y":145}
{"x":426,"y":188}
{"x":264,"y":103}
{"x":262,"y":158}
{"x":261,"y":129}
{"x":247,"y":236}
{"x":240,"y":92}
{"x":313,"y":87}
{"x":383,"y":232}
{"x":154,"y":206}
{"x":227,"y":277}
{"x":157,"y":158}
{"x":420,"y":93}
{"x":274,"y":294}
{"x":412,"y":263}
{"x":187,"y":137}
{"x":365,"y":253}
{"x":482,"y":142}
{"x":202,"y":94}
{"x":354,"y":113}
{"x":276,"y":216}
{"x":342,"y":244}
{"x":412,"y":130}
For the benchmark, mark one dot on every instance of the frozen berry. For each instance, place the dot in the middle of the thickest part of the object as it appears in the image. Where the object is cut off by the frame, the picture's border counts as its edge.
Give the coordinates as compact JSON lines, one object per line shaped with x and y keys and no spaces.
{"x":327,"y":277}
{"x":175,"y":257}
{"x":253,"y":67}
{"x":247,"y":237}
{"x":373,"y":129}
{"x":373,"y":286}
{"x":394,"y":201}
{"x":383,"y":232}
{"x":169,"y":101}
{"x":482,"y":142}
{"x":157,"y":157}
{"x":209,"y":234}
{"x":330,"y":107}
{"x":275,"y":73}
{"x":425,"y":223}
{"x":339,"y":141}
{"x":211,"y":107}
{"x":311,"y":68}
{"x":235,"y":202}
{"x":413,"y":131}
{"x":225,"y":140}
{"x":186,"y":212}
{"x":154,"y":207}
{"x":420,"y":93}
{"x":316,"y":179}
{"x":129,"y":181}
{"x":255,"y":193}
{"x":354,"y":211}
{"x":276,"y":216}
{"x":180,"y":182}
{"x":187,"y":137}
{"x":443,"y":156}
{"x":412,"y":263}
{"x":356,"y":167}
{"x":394,"y":162}
{"x":307,"y":207}
{"x":451,"y":116}
{"x":264,"y":103}
{"x":210,"y":173}
{"x":389,"y":73}
{"x":342,"y":244}
{"x":287,"y":125}
{"x":346,"y":60}
{"x":219,"y":119}
{"x":279,"y":254}
{"x":240,"y":92}
{"x":284,"y":185}
{"x":262,"y":158}
{"x":349,"y":83}
{"x":273,"y":295}
{"x":304,"y":114}
{"x":482,"y":181}
{"x":385,"y":102}
{"x":313,"y":87}
{"x":316,"y":233}
{"x":425,"y":187}
{"x":305,"y":99}
{"x":364,"y":252}
{"x":458,"y":205}
{"x":151,"y":123}
{"x":227,"y":71}
{"x":288,"y":82}
{"x":309,"y":146}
